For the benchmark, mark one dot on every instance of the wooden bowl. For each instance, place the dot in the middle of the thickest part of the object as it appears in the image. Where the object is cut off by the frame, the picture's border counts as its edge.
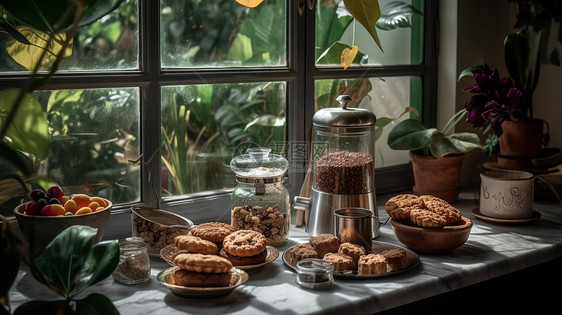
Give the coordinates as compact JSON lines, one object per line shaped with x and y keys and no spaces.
{"x":432,"y":240}
{"x":39,"y":231}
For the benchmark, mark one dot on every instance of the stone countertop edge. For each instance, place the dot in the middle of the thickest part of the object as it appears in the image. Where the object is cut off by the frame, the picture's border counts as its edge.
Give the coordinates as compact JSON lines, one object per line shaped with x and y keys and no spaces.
{"x":491,"y":251}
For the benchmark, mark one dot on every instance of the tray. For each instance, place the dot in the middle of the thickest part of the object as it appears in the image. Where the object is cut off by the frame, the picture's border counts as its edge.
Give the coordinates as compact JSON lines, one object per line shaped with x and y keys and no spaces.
{"x":413,"y":262}
{"x":166,"y":279}
{"x":169,"y":252}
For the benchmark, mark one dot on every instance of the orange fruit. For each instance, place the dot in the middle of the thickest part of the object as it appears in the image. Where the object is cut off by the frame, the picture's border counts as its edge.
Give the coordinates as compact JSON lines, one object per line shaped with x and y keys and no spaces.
{"x":71,"y":206}
{"x":82,"y":200}
{"x":83,"y":210}
{"x":99,"y":200}
{"x":99,"y":208}
{"x":58,"y":209}
{"x":93,"y":205}
{"x":63,"y":199}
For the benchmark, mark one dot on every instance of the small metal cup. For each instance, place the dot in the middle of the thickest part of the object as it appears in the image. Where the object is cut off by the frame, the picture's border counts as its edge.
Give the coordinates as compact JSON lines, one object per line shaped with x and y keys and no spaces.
{"x":354,"y":225}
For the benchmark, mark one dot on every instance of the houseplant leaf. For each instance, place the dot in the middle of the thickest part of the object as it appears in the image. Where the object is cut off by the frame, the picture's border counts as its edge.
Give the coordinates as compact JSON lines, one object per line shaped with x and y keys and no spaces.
{"x":100,"y":263}
{"x":333,"y":54}
{"x":28,"y":55}
{"x":29,"y":128}
{"x":455,"y":144}
{"x":69,"y":263}
{"x":43,"y":307}
{"x":366,"y":12}
{"x":95,"y":304}
{"x":410,"y":134}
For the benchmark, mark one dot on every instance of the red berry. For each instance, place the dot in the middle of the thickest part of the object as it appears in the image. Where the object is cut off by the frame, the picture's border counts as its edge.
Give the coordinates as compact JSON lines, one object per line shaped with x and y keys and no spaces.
{"x":32,"y":208}
{"x":47,"y":211}
{"x":55,"y":192}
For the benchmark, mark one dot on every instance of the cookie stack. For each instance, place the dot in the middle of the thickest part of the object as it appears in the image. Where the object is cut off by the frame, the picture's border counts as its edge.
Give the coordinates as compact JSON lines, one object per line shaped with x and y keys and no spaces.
{"x":213,"y":248}
{"x":348,"y":257}
{"x":425,"y":211}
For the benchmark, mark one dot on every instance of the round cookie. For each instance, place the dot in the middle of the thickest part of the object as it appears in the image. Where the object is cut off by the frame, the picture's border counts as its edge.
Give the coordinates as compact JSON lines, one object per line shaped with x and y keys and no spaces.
{"x":202,"y":263}
{"x":201,"y":279}
{"x":212,"y":231}
{"x":341,"y":262}
{"x":428,"y":219}
{"x":244,"y":243}
{"x":244,"y":261}
{"x":442,"y":207}
{"x":195,"y":244}
{"x":399,"y":206}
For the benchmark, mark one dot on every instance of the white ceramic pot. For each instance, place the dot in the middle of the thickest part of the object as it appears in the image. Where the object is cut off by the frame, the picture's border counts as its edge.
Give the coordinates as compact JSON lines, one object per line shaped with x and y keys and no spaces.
{"x":506,"y":194}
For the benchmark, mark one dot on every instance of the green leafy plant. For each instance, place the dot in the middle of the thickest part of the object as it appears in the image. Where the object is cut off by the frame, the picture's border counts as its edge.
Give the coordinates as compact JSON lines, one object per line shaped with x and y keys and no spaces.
{"x":411,"y":134}
{"x":46,"y":33}
{"x":67,"y":266}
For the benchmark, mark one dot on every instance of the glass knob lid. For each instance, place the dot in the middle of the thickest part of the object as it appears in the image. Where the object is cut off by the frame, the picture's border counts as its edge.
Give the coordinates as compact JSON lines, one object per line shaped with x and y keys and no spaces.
{"x":258,"y":162}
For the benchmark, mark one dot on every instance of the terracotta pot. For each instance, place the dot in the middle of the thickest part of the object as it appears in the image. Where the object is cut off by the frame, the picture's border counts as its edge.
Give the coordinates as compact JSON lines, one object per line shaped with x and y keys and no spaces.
{"x":520,"y":142}
{"x":437,"y":176}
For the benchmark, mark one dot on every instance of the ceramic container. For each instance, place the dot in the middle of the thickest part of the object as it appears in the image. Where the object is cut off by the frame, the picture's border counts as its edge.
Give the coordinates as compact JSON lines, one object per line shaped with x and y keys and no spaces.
{"x":506,"y":194}
{"x":432,"y":240}
{"x":39,"y":231}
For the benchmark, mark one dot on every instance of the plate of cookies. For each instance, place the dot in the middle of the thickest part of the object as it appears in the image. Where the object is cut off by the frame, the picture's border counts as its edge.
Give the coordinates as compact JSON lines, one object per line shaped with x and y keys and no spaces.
{"x":245,"y":249}
{"x":427,"y":224}
{"x":199,"y":276}
{"x":353,"y":261}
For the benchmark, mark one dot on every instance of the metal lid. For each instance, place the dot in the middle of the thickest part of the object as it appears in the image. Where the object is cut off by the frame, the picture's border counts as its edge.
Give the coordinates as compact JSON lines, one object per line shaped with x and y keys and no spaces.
{"x":344,"y":116}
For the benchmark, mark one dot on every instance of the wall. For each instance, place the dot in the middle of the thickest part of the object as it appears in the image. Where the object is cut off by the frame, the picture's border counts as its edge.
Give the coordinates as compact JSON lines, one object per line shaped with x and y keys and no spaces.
{"x":481,"y":26}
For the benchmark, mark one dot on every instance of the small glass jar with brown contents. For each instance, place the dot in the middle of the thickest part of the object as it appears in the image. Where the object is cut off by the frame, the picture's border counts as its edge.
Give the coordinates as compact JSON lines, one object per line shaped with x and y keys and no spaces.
{"x":260,"y":202}
{"x":134,"y":263}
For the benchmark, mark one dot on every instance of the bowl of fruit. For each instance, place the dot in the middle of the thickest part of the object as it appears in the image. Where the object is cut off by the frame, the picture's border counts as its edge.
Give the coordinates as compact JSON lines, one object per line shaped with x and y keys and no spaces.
{"x":51,"y":212}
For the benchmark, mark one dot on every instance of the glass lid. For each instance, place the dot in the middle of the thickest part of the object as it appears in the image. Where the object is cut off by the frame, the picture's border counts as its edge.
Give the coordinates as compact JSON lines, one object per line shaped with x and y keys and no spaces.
{"x":259,"y":163}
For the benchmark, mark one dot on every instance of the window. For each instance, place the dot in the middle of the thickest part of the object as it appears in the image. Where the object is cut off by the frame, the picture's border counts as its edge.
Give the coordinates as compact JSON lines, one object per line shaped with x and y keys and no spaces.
{"x":198,"y":81}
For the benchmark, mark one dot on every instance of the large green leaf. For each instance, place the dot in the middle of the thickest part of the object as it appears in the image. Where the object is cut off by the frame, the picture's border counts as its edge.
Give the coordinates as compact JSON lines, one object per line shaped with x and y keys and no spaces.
{"x":333,"y":54}
{"x":95,"y":304}
{"x":29,"y":55}
{"x":56,"y":15}
{"x":410,"y":134}
{"x":69,"y":263}
{"x":29,"y":128}
{"x":330,"y":25}
{"x":366,"y":12}
{"x":454,"y":144}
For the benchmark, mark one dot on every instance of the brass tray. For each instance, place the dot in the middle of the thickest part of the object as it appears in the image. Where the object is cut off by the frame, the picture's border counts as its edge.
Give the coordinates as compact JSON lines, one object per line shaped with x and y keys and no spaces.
{"x":166,"y":279}
{"x":413,"y":262}
{"x":169,"y":252}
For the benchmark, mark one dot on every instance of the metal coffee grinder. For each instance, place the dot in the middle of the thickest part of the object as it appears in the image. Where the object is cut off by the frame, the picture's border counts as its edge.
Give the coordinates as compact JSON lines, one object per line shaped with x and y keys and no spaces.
{"x":343,"y":166}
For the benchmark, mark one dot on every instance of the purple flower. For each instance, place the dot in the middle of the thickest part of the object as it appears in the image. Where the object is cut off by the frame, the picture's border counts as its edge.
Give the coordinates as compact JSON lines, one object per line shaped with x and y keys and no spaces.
{"x":494,"y":98}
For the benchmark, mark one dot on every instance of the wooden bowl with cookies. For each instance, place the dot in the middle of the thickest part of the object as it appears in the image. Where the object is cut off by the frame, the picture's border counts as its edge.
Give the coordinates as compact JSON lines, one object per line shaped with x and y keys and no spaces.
{"x":427,"y":224}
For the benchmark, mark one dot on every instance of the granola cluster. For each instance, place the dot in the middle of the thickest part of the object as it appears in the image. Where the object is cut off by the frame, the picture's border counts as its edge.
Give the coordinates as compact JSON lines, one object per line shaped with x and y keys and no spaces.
{"x":269,"y":221}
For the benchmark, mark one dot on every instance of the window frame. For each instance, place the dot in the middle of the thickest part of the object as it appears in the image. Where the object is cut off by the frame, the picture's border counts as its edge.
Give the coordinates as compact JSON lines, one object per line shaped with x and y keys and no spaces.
{"x":299,"y":74}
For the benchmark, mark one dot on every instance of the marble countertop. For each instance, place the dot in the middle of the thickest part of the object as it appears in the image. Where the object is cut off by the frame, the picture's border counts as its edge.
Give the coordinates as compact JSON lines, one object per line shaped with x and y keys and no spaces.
{"x":491,"y":251}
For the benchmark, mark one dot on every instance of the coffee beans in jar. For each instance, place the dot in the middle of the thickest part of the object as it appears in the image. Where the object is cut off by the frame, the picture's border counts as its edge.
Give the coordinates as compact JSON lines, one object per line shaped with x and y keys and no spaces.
{"x":344,"y":173}
{"x":270,"y":221}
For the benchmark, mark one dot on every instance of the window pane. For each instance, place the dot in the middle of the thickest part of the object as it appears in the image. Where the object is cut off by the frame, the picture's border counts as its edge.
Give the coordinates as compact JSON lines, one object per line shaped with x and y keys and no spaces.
{"x":385,"y":97}
{"x":336,"y":29}
{"x":204,"y":126}
{"x":222,"y":33}
{"x":110,"y":43}
{"x":94,"y":133}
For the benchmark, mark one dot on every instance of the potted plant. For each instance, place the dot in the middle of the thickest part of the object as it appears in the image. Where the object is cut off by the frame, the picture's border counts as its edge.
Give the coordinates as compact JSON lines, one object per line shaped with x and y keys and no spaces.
{"x":436,"y":155}
{"x":506,"y":104}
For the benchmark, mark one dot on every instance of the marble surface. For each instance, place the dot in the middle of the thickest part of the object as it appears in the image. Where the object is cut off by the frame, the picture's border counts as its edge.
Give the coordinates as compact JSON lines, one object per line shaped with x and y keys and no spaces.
{"x":492,"y":250}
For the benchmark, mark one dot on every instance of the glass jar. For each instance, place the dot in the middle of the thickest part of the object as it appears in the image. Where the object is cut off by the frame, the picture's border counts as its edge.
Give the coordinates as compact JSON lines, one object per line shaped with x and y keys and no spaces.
{"x":314,"y":273}
{"x":260,"y":202}
{"x":134,"y":263}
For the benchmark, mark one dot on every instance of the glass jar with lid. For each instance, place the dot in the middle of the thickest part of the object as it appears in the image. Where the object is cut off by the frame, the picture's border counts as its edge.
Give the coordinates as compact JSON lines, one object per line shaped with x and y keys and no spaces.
{"x":260,"y":202}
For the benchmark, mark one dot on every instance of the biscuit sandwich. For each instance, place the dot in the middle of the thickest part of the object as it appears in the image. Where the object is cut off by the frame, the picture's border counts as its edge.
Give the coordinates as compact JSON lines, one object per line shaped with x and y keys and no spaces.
{"x":244,"y":247}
